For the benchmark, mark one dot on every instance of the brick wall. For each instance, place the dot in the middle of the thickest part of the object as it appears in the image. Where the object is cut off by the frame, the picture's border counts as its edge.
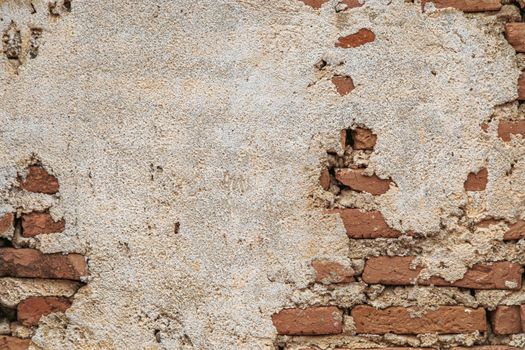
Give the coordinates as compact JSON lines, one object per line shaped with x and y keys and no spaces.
{"x":386,"y":312}
{"x":46,"y":283}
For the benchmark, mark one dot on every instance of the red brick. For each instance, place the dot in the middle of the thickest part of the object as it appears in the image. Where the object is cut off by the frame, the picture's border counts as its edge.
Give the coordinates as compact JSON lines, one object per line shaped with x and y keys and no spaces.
{"x":522,"y":316}
{"x":6,"y":223}
{"x":366,"y":224}
{"x":387,"y":349}
{"x":30,"y":310}
{"x":507,"y":128}
{"x":324,"y":179}
{"x":506,"y":320}
{"x":521,"y":87}
{"x":363,"y":139}
{"x":477,"y":181}
{"x":316,"y":4}
{"x":327,"y":271}
{"x":396,"y":270}
{"x":343,"y":84}
{"x":357,"y":181}
{"x":35,"y":223}
{"x":39,"y":180}
{"x":31,"y":263}
{"x":12,"y":343}
{"x":352,"y":4}
{"x":398,"y":320}
{"x":515,"y":34}
{"x":310,"y":321}
{"x":467,"y":5}
{"x":361,"y":37}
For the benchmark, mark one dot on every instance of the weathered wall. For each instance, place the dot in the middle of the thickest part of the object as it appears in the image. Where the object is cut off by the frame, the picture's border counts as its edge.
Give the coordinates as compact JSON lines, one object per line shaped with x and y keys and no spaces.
{"x":188,"y":138}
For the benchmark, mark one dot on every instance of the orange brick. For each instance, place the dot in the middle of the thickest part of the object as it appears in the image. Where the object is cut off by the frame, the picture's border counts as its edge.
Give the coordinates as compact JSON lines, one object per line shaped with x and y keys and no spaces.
{"x":361,"y":37}
{"x":357,"y":181}
{"x":35,"y":223}
{"x":6,"y":224}
{"x":30,"y":310}
{"x":321,"y":320}
{"x":363,"y":139}
{"x":39,"y":180}
{"x":366,"y":224}
{"x":13,"y":343}
{"x":507,"y":128}
{"x":467,"y":5}
{"x":31,"y":263}
{"x":397,"y":270}
{"x":399,"y":320}
{"x":515,"y":34}
{"x":477,"y":181}
{"x":506,"y":320}
{"x":343,"y":84}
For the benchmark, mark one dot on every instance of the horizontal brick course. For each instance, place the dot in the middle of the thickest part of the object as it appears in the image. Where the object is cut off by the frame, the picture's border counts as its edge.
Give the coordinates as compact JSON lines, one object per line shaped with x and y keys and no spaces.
{"x":39,"y":180}
{"x":467,"y":5}
{"x":30,"y":310}
{"x":36,"y":223}
{"x":31,"y":263}
{"x":515,"y":34}
{"x":321,"y":320}
{"x":397,"y":271}
{"x":357,"y":181}
{"x":366,"y":224}
{"x":398,"y":320}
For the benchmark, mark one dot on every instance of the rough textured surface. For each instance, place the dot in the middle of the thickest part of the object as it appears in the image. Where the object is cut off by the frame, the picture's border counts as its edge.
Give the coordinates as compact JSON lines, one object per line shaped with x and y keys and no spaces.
{"x":31,"y":310}
{"x":211,"y":114}
{"x":310,"y":321}
{"x":40,"y":223}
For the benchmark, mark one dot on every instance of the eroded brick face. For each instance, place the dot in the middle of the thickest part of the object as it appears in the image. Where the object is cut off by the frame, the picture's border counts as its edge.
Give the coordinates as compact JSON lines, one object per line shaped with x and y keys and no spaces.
{"x":13,"y":343}
{"x":316,"y":4}
{"x":399,"y":320}
{"x":366,"y":224}
{"x":30,"y":310}
{"x":358,"y":181}
{"x":343,"y":84}
{"x":361,"y":37}
{"x":515,"y":33}
{"x":477,"y":181}
{"x":506,"y":320}
{"x":39,"y":180}
{"x":508,"y":128}
{"x":328,"y":272}
{"x":309,"y":321}
{"x":467,"y":5}
{"x":36,"y":223}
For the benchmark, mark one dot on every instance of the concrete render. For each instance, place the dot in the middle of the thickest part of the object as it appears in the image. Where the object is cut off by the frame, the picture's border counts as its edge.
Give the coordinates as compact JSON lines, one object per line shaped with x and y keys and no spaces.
{"x":188,"y":138}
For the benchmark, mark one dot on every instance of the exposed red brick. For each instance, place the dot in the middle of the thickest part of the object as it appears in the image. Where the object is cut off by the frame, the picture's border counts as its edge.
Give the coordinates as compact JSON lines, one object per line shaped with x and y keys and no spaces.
{"x":387,"y":349}
{"x":398,"y":320}
{"x":357,"y":181}
{"x":515,"y":33}
{"x":366,"y":224}
{"x":477,"y":181}
{"x":31,"y":263}
{"x":521,"y":87}
{"x":522,"y":316}
{"x":327,"y":271}
{"x":363,"y":139}
{"x":324,"y":179}
{"x":30,"y":310}
{"x":515,"y":231}
{"x":467,"y":5}
{"x":343,"y":138}
{"x":310,"y":321}
{"x":343,"y":84}
{"x":6,"y":223}
{"x":40,"y":223}
{"x":361,"y":37}
{"x":13,"y":343}
{"x":316,"y":4}
{"x":396,"y":270}
{"x":39,"y":180}
{"x":506,"y":320}
{"x":507,"y":128}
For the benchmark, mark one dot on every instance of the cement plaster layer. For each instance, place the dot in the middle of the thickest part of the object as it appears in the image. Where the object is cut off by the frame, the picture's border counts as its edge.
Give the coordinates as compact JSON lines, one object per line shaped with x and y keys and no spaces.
{"x":212,"y":114}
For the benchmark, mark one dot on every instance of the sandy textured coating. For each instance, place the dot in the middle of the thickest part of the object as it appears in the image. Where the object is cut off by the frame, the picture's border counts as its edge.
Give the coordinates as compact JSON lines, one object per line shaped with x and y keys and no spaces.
{"x":211,"y":114}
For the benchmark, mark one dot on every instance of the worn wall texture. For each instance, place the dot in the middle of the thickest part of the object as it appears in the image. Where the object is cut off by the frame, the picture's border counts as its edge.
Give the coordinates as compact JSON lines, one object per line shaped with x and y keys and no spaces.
{"x":160,"y":171}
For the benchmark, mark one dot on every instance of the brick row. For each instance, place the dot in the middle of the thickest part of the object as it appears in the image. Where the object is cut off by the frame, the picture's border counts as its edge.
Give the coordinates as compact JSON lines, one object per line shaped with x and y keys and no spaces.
{"x":467,"y":5}
{"x":399,"y":270}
